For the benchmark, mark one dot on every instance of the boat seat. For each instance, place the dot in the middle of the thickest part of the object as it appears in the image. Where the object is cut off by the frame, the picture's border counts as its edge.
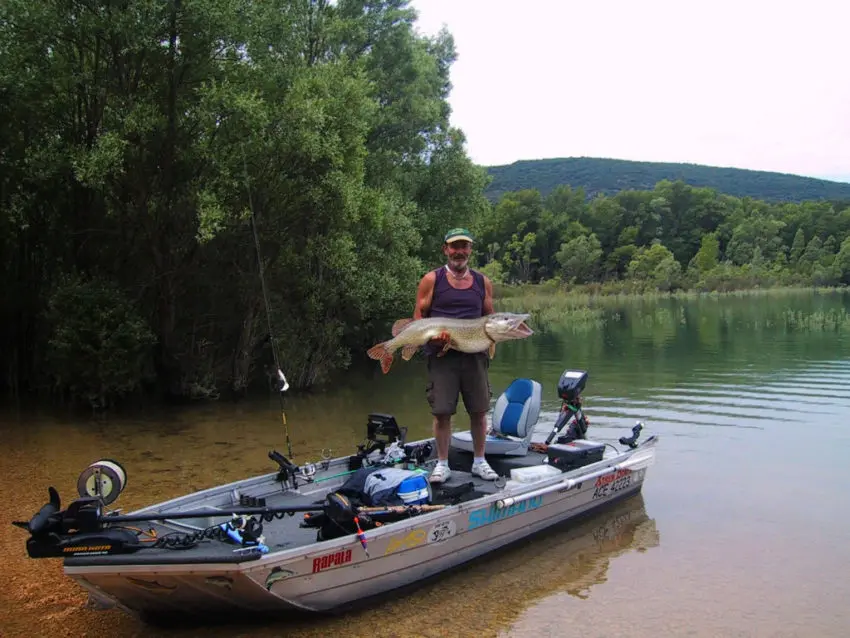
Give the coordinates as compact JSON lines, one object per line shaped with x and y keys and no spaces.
{"x":514,"y":417}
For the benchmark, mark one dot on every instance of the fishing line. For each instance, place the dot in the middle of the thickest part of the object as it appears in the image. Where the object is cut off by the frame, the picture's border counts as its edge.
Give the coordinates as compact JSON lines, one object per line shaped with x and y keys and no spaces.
{"x":281,"y":378}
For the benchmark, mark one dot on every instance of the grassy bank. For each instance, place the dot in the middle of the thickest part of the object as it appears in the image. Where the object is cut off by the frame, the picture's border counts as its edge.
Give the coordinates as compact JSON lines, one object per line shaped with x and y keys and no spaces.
{"x":583,"y":308}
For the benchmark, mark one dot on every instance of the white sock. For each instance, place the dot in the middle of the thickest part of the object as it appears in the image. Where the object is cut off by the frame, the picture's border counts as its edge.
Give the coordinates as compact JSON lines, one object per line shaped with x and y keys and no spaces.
{"x":477,"y":459}
{"x":443,"y":463}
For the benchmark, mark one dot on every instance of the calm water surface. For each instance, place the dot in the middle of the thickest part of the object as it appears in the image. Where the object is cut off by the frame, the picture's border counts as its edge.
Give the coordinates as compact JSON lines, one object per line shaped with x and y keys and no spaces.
{"x":742,"y":528}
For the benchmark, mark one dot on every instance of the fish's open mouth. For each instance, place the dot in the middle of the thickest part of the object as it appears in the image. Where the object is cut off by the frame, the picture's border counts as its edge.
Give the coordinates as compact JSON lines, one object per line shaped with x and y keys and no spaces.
{"x":521,"y":328}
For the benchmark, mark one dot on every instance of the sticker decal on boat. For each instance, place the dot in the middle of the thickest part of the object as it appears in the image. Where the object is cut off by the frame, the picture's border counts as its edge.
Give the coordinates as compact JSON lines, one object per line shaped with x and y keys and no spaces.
{"x":276,"y":575}
{"x":442,"y":531}
{"x":486,"y":515}
{"x":610,"y":484}
{"x":410,"y":540}
{"x":336,"y":559}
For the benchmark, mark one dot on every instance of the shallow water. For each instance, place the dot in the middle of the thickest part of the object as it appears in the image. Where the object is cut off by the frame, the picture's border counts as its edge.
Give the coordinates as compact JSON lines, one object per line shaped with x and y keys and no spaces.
{"x":741,"y":529}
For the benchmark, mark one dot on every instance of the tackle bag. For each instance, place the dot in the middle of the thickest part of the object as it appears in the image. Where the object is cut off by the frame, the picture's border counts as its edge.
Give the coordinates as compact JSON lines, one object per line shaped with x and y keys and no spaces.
{"x":376,"y":486}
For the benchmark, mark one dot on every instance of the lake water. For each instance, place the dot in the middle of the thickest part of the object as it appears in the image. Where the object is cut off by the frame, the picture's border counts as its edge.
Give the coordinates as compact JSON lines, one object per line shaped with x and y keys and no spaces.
{"x":741,"y":530}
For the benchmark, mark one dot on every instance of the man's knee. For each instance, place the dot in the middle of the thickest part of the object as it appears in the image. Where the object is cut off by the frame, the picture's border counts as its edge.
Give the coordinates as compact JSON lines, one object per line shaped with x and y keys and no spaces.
{"x":442,"y":421}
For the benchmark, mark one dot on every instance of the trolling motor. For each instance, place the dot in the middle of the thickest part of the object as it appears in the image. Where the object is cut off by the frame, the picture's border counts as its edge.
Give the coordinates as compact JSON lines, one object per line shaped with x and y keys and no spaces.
{"x":75,"y":531}
{"x":570,"y":386}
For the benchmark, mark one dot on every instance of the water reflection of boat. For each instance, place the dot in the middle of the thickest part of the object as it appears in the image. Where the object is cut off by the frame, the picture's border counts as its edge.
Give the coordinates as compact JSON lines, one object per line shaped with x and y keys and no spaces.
{"x":571,"y":557}
{"x":238,"y":549}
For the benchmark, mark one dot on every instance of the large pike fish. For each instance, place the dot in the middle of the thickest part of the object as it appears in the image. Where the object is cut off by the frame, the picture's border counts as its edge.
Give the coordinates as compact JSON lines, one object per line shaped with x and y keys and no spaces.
{"x":466,"y":335}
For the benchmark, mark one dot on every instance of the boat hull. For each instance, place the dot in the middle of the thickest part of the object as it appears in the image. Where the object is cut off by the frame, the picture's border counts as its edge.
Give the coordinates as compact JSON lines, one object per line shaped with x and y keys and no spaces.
{"x":335,"y":574}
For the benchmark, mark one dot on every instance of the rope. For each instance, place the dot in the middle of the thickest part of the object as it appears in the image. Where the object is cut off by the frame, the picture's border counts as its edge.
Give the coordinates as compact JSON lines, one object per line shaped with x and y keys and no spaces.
{"x":265,"y":298}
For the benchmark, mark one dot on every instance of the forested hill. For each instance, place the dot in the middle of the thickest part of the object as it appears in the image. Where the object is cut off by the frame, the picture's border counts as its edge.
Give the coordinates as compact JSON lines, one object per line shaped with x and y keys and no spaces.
{"x":610,"y":176}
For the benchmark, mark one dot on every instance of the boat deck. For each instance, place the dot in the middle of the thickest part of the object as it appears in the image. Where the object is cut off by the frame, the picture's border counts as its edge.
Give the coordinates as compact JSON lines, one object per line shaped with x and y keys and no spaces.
{"x":287,"y":533}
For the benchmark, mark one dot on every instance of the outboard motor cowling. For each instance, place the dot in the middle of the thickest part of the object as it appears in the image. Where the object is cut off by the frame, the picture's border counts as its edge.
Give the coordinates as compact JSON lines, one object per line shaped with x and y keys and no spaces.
{"x":571,"y":384}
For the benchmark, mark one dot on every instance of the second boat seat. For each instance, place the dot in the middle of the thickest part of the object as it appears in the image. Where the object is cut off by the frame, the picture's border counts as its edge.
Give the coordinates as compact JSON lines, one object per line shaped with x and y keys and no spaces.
{"x":514,"y":416}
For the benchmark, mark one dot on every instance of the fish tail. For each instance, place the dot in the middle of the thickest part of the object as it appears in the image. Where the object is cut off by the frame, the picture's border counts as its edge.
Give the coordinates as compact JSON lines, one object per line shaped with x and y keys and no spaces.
{"x":383,"y":354}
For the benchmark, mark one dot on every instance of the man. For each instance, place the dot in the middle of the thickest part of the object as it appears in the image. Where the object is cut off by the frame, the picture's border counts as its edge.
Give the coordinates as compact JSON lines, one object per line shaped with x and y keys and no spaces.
{"x":457,"y":291}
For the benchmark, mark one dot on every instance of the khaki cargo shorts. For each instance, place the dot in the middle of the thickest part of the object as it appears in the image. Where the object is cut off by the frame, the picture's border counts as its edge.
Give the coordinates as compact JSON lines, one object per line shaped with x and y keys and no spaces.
{"x":458,"y":374}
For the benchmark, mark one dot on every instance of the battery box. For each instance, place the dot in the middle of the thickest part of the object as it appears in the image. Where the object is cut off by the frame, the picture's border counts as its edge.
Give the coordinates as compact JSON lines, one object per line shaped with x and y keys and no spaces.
{"x":578,"y":453}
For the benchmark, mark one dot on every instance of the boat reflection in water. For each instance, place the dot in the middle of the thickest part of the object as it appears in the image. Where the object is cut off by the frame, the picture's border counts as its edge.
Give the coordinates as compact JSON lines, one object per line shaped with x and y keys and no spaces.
{"x":570,"y":558}
{"x":488,"y":596}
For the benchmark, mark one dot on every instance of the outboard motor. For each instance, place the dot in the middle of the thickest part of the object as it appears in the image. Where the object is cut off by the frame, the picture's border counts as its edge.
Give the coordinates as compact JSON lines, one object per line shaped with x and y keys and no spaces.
{"x":570,"y":387}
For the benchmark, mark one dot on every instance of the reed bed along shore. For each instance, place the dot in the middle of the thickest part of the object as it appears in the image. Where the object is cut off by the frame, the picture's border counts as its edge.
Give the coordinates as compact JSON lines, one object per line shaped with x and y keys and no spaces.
{"x":591,"y":307}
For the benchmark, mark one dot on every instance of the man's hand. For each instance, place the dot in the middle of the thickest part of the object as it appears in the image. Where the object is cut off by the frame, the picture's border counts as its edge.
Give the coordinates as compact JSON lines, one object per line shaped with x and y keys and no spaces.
{"x":442,"y":341}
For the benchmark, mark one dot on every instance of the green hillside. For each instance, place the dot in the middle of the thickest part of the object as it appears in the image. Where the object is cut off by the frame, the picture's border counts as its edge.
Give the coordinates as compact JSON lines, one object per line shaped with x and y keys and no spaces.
{"x":609,"y":176}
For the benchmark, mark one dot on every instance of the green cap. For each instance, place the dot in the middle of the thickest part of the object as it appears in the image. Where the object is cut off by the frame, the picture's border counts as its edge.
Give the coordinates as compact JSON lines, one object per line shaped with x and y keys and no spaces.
{"x":458,"y":234}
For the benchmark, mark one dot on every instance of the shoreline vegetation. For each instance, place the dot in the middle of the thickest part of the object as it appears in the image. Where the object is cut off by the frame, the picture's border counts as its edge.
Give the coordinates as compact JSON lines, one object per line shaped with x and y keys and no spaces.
{"x":583,"y":308}
{"x":157,"y":156}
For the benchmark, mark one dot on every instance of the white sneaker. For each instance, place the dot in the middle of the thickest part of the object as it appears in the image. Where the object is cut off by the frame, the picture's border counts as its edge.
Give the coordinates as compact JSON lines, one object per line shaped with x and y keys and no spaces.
{"x":483,"y":470}
{"x":440,"y":474}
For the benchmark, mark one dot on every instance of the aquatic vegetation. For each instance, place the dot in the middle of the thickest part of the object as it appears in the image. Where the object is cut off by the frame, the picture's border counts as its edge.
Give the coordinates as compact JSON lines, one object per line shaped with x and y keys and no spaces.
{"x":577,"y":311}
{"x":835,"y":319}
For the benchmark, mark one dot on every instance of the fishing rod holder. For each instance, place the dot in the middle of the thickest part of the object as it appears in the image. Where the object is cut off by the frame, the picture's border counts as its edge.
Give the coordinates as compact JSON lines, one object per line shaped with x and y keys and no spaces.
{"x":287,"y":470}
{"x":631,"y":441}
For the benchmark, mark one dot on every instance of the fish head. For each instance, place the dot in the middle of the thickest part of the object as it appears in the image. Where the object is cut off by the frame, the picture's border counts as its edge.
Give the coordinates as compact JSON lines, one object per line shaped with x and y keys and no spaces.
{"x":504,"y":326}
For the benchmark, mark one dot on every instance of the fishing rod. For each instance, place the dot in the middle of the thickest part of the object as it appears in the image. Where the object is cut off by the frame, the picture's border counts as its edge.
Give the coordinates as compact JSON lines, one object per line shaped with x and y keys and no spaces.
{"x":262,"y":512}
{"x":85,"y":515}
{"x":283,"y":384}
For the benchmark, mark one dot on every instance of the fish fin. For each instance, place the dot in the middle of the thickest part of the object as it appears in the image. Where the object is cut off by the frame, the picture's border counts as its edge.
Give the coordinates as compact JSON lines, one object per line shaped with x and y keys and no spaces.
{"x":408,"y":351}
{"x":400,"y":325}
{"x":447,"y":342}
{"x":377,"y":351}
{"x":383,"y":354}
{"x":492,"y":349}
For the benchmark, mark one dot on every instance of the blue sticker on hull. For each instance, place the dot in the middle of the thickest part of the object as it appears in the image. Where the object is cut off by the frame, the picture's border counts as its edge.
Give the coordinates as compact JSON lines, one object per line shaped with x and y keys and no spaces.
{"x":488,"y":515}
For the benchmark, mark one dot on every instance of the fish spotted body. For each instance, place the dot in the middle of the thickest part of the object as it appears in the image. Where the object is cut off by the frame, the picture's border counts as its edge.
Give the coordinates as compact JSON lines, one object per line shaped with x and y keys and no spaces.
{"x":465,"y":335}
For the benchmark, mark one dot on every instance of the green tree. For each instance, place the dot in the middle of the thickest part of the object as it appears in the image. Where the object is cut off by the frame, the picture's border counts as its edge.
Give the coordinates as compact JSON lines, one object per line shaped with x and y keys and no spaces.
{"x":709,"y":251}
{"x":797,"y":247}
{"x":579,"y":259}
{"x":655,"y":266}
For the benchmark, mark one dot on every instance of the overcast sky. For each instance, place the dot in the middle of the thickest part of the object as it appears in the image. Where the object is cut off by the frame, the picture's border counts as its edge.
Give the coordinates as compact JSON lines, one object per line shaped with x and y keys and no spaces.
{"x":743,"y":83}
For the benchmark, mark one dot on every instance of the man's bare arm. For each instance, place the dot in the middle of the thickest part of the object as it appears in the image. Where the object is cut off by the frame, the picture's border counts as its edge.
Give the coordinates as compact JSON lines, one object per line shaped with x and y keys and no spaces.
{"x":424,"y":295}
{"x":488,"y":297}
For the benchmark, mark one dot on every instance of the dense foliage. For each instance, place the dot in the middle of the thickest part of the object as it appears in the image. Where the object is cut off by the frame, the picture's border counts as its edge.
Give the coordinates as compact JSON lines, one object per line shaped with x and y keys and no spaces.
{"x":598,"y":176}
{"x":136,"y":134}
{"x":156,"y":154}
{"x":674,"y":236}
